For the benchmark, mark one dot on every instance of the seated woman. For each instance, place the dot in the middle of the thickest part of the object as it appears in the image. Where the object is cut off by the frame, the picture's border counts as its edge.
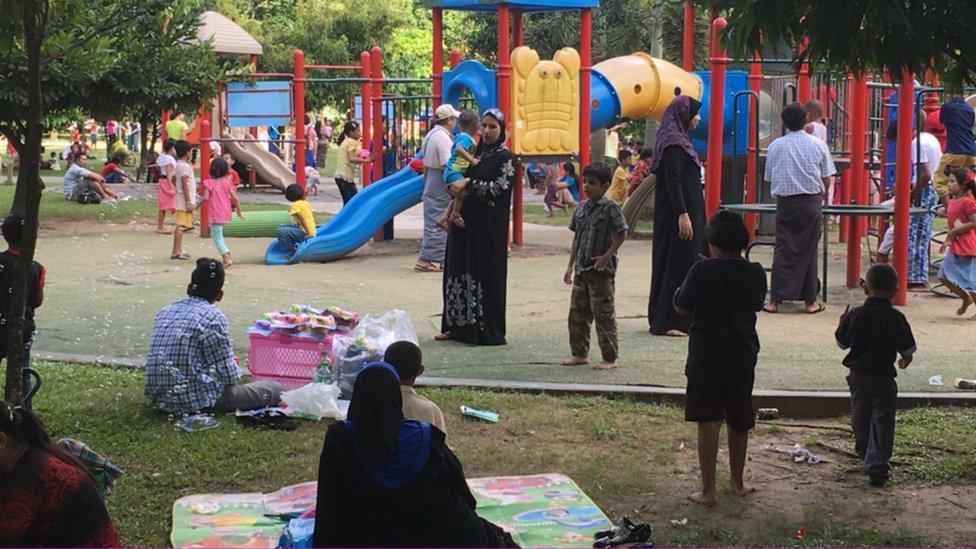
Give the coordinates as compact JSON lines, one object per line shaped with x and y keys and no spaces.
{"x":113,"y":173}
{"x":47,"y":499}
{"x":386,"y":481}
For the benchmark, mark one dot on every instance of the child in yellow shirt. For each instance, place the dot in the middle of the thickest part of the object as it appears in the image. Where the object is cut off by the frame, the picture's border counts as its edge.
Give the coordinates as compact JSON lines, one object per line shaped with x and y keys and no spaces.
{"x":290,"y":235}
{"x":621,"y":178}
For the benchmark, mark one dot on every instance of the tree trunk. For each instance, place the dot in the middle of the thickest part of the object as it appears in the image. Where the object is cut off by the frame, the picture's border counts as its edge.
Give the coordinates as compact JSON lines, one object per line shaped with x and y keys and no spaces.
{"x":144,"y":122}
{"x":27,"y":200}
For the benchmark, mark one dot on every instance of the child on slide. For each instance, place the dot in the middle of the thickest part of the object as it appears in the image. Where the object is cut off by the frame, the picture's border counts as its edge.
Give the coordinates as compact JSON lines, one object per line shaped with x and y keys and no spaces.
{"x":462,"y":156}
{"x":958,"y":269}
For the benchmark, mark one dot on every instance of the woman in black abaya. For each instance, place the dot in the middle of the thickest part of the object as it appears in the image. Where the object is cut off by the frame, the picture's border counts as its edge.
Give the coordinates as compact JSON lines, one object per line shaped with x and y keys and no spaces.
{"x":679,"y":215}
{"x":476,"y":263}
{"x":386,"y":481}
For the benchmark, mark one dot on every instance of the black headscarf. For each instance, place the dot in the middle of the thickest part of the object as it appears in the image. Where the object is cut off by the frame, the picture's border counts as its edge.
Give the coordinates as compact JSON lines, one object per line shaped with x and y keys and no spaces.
{"x":376,"y":411}
{"x":495,"y":161}
{"x":674,"y":129}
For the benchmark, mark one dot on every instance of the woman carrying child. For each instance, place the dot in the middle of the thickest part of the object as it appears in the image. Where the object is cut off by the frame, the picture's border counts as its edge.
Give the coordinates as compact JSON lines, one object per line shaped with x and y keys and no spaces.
{"x":219,"y":194}
{"x":349,"y":159}
{"x":958,"y":270}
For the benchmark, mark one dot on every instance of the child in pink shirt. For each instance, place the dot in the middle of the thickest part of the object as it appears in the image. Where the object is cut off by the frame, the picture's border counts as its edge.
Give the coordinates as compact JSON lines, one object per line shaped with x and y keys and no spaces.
{"x":220,"y":196}
{"x":958,"y":270}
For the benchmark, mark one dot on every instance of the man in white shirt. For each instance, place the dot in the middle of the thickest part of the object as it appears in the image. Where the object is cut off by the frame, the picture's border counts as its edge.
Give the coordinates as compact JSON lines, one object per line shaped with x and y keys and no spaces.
{"x":77,"y":179}
{"x":926,"y":156}
{"x":798,"y":170}
{"x":436,"y":149}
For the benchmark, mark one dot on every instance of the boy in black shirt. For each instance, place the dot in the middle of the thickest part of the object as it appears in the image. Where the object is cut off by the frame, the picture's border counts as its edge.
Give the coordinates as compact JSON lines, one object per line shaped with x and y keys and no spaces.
{"x":13,"y":233}
{"x":874,"y":333}
{"x":724,"y":293}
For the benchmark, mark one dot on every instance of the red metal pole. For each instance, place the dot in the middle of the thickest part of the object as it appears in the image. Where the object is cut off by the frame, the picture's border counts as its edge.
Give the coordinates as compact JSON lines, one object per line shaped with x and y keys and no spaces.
{"x":437,"y":75}
{"x":858,"y":181}
{"x":517,"y":28}
{"x":803,"y":80}
{"x":586,"y":60}
{"x":843,"y":185}
{"x":204,"y":174}
{"x":505,"y":104}
{"x":366,"y":101}
{"x":455,"y":58}
{"x":163,"y":121}
{"x":376,"y":55}
{"x":300,"y":118}
{"x":688,"y":51}
{"x":716,"y":115}
{"x":903,"y":183}
{"x":755,"y":85}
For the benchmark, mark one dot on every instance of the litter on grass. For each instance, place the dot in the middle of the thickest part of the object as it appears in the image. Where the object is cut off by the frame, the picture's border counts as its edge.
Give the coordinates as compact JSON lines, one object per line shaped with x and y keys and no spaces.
{"x":797,"y":453}
{"x":486,"y":415}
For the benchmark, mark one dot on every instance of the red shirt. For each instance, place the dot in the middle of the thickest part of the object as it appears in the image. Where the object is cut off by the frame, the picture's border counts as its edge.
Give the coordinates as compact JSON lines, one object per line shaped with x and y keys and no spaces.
{"x":109,"y":168}
{"x":235,"y":177}
{"x":959,"y":212}
{"x":48,"y":502}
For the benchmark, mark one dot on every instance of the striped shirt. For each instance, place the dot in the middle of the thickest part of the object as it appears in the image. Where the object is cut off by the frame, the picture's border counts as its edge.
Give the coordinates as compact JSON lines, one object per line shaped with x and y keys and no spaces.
{"x":596,"y":224}
{"x":797,"y":163}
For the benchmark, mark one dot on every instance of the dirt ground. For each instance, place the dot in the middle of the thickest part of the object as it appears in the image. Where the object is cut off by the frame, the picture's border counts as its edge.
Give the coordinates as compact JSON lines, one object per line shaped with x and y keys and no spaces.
{"x":106,"y":281}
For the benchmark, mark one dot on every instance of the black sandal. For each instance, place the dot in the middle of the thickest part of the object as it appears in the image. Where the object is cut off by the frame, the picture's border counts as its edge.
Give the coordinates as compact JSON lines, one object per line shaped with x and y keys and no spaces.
{"x":276,"y":421}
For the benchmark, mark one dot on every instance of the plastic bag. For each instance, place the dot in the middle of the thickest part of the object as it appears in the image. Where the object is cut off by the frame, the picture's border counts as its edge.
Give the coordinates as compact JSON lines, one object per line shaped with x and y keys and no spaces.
{"x":366,"y":344}
{"x":395,"y":325}
{"x":349,"y":356}
{"x":317,"y":399}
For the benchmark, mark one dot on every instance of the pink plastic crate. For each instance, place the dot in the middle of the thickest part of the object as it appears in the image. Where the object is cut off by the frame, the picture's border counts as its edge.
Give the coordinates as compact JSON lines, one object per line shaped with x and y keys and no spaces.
{"x":288,"y":360}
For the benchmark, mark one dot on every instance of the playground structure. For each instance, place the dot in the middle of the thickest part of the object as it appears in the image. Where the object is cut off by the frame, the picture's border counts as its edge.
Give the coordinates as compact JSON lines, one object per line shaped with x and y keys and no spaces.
{"x":546,"y":103}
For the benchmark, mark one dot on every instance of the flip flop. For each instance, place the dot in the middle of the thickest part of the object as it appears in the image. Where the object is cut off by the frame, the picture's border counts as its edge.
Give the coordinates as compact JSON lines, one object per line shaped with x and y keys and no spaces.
{"x":820,"y":308}
{"x":425,"y":267}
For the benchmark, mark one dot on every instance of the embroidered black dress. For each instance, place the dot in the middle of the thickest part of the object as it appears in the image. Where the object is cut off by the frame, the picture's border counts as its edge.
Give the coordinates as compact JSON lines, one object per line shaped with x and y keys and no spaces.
{"x":476,"y":263}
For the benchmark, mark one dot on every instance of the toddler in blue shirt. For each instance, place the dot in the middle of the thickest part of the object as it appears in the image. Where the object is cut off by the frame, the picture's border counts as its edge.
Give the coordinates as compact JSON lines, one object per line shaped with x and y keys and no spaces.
{"x":462,"y":156}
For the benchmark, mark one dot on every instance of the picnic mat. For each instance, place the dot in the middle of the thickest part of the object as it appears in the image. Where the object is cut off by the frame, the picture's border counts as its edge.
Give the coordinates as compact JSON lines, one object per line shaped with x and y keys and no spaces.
{"x":547,"y":510}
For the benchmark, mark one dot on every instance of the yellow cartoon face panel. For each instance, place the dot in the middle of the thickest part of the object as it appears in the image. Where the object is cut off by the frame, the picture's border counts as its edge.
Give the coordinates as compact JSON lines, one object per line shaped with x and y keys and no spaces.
{"x":545,"y":103}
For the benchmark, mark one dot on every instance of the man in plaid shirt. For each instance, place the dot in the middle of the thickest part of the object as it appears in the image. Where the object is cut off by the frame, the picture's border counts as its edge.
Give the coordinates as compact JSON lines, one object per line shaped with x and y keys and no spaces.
{"x":191,"y":365}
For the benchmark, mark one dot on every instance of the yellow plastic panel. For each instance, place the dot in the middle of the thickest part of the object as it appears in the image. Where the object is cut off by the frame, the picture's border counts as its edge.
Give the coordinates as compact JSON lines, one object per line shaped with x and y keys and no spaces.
{"x":645,"y":85}
{"x":545,"y":103}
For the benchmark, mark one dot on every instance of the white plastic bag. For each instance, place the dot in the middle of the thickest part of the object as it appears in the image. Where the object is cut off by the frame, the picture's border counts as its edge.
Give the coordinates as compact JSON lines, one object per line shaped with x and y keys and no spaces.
{"x":317,"y":399}
{"x":365,"y":344}
{"x":393,"y":326}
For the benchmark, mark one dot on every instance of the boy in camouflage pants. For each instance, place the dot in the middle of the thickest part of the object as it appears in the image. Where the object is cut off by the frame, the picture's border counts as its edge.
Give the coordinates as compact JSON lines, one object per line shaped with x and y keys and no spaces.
{"x":600,"y":229}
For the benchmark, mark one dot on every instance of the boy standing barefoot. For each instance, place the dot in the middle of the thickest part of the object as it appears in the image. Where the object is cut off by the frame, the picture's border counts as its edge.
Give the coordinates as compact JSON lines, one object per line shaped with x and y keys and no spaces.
{"x":724,"y":293}
{"x":600,"y":229}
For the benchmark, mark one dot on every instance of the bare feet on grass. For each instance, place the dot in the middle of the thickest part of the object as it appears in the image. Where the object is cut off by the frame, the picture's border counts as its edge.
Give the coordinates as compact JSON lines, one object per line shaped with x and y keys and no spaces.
{"x":606,"y":365}
{"x":702,"y":499}
{"x":575,"y":361}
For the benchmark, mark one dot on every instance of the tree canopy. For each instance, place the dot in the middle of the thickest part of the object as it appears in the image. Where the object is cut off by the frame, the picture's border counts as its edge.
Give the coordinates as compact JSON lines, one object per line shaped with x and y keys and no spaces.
{"x":863,"y":34}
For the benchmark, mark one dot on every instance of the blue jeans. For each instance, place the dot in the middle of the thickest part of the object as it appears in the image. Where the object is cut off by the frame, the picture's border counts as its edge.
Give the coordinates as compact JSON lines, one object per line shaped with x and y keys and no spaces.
{"x":290,"y":236}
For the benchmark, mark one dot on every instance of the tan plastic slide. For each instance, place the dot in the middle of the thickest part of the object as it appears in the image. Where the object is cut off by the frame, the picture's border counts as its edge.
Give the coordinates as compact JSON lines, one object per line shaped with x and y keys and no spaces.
{"x":271,"y":168}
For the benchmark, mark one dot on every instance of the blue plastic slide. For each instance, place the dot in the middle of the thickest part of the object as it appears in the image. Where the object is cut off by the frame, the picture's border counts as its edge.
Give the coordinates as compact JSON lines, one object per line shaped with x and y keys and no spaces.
{"x":356,"y":222}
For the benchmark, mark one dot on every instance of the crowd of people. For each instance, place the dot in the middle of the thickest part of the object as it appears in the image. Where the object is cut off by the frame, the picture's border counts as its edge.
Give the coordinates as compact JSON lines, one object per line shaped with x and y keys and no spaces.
{"x":390,"y":456}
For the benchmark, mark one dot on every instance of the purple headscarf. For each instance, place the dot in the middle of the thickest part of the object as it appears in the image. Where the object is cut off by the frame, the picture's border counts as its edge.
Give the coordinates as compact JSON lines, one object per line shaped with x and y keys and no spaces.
{"x":674,"y":129}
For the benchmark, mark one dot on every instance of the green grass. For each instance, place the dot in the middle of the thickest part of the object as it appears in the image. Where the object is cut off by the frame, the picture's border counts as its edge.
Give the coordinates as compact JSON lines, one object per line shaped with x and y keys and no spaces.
{"x":536,"y":213}
{"x":926,"y":442}
{"x":624,"y":454}
{"x":55,"y":208}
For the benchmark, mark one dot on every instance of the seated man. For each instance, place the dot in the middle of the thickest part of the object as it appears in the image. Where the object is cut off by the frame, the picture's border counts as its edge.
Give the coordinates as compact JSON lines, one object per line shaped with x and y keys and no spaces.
{"x":78,"y":179}
{"x":407,"y":359}
{"x":191,"y":365}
